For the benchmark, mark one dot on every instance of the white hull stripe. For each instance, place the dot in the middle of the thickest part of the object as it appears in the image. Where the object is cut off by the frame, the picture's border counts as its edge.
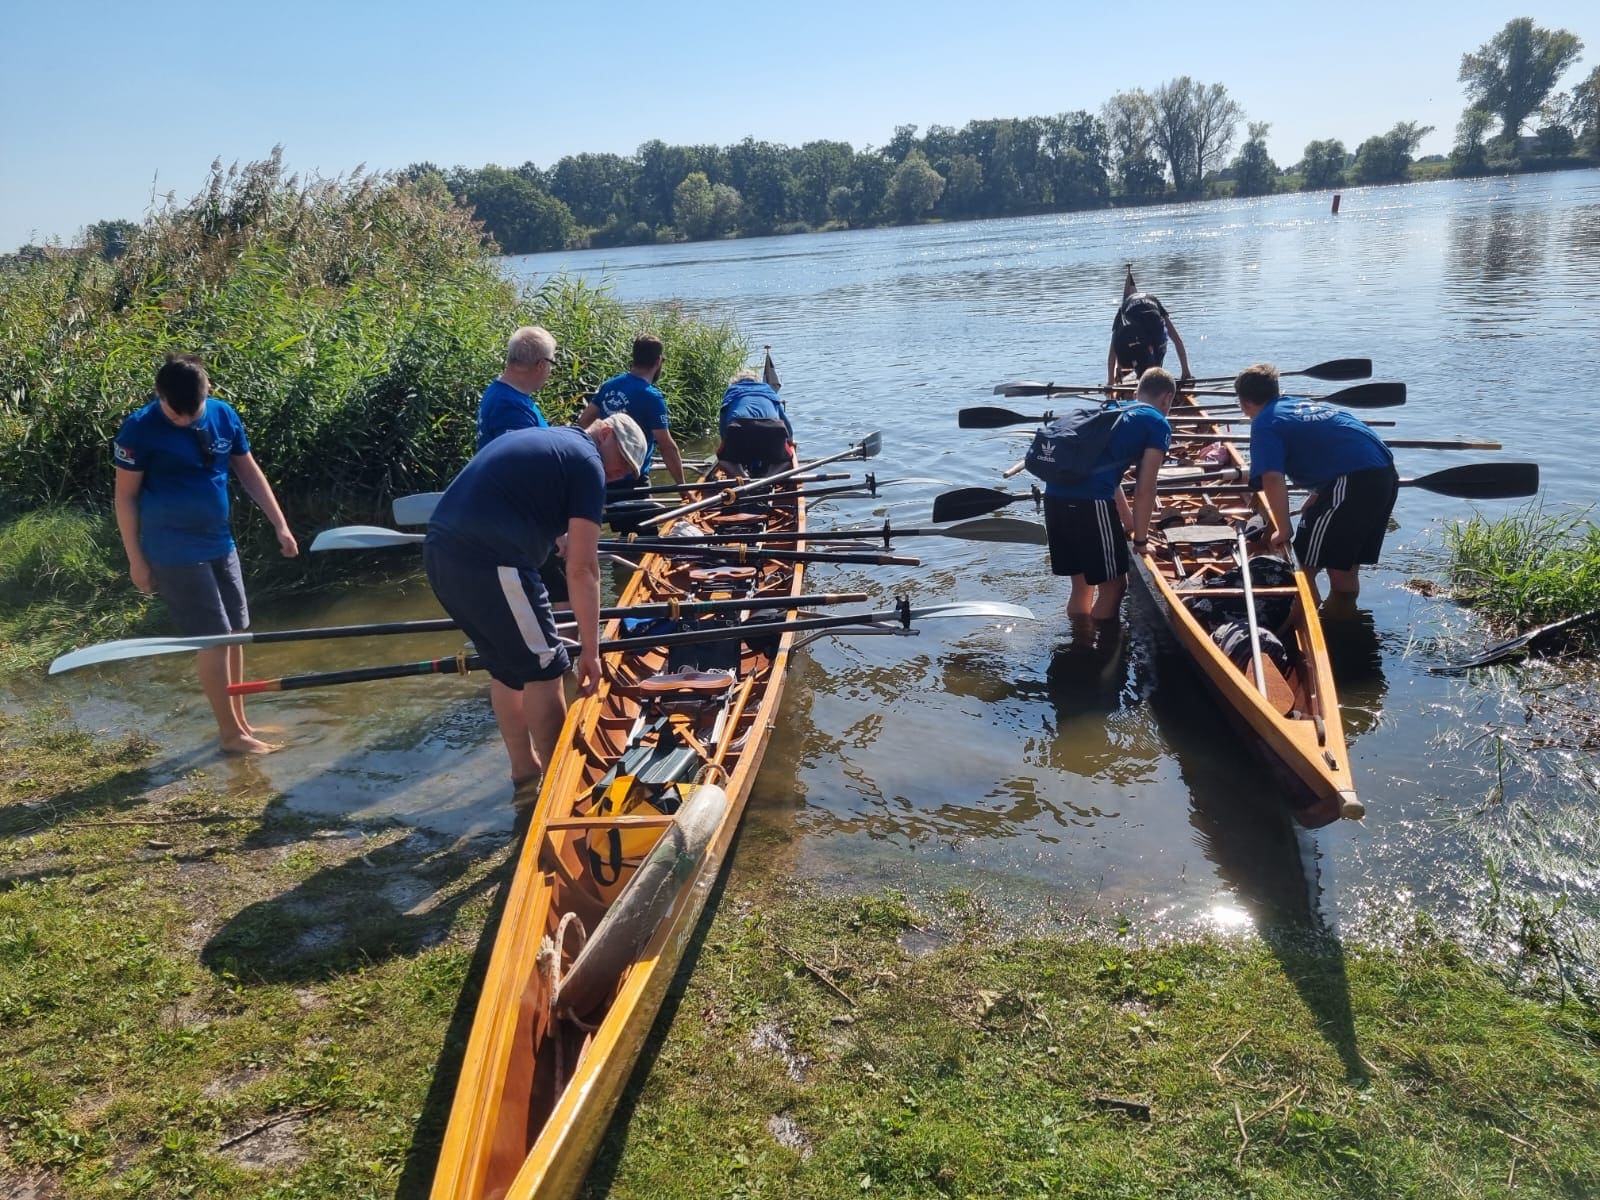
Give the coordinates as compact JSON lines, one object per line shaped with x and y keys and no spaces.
{"x":533,"y":635}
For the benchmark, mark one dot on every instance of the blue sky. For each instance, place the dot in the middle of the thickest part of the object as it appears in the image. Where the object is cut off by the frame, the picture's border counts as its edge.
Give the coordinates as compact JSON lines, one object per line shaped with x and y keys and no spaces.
{"x":103,"y":105}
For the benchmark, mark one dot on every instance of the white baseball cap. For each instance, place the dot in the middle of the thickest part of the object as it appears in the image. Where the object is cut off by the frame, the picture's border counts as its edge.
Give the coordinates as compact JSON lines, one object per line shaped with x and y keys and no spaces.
{"x":630,"y":440}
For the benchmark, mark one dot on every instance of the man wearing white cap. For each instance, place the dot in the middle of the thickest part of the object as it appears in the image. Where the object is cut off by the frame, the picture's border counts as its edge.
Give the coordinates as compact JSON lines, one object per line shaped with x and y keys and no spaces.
{"x":526,"y":495}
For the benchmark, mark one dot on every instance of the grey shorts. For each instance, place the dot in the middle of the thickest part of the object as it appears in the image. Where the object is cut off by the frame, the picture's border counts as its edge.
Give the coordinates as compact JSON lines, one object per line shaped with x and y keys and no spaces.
{"x":206,"y":597}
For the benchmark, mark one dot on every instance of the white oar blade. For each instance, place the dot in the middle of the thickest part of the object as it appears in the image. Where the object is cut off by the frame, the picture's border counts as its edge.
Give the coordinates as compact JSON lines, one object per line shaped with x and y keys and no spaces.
{"x":415,"y":510}
{"x":974,"y":608}
{"x":362,"y":537}
{"x":1004,"y":389}
{"x":139,"y":648}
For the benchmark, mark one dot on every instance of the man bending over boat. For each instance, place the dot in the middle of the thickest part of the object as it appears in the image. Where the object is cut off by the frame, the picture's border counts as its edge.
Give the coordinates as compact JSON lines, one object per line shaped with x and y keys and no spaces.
{"x":757,"y":438}
{"x":1088,"y":523}
{"x":508,"y":402}
{"x":1139,"y":334}
{"x":1348,"y":469}
{"x":634,"y":392}
{"x":529,"y":493}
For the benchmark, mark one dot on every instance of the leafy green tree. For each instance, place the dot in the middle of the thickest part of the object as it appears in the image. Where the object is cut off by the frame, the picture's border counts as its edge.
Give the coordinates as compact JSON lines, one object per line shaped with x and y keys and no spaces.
{"x":110,"y":239}
{"x":1322,"y":165}
{"x":819,"y":168}
{"x":593,"y":186}
{"x":901,"y":144}
{"x":1076,"y":149}
{"x":1469,"y":156}
{"x":963,"y":189}
{"x":521,"y":217}
{"x":1128,"y":118}
{"x":726,"y":207}
{"x":1585,"y":113}
{"x":1386,"y":158}
{"x":842,"y":203}
{"x":1556,"y":140}
{"x":692,"y":205}
{"x":1254,"y":172}
{"x":1511,"y":74}
{"x":1193,"y":126}
{"x":914,"y":188}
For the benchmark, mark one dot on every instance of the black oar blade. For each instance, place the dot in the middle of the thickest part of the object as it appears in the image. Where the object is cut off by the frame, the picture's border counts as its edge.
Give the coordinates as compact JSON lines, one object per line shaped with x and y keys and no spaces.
{"x":1369,"y":395}
{"x":1004,"y":389}
{"x":1482,"y":481}
{"x":971,"y":502}
{"x":988,"y":417}
{"x":1515,"y":647}
{"x":870,"y":445}
{"x":1340,"y":368}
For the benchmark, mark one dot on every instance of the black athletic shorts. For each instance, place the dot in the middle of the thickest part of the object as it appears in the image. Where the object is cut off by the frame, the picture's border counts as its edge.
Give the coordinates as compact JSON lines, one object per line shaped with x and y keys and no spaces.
{"x":506,"y":613}
{"x":1344,"y":527}
{"x":1086,"y":538}
{"x":205,"y":598}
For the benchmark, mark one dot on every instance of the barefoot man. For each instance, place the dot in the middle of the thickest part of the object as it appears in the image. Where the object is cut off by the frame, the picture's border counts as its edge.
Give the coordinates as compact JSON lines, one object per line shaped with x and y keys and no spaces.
{"x":173,"y":459}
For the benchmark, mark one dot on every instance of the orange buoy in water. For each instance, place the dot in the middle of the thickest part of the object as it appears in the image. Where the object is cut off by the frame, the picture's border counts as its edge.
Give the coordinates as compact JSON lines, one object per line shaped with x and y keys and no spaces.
{"x":1336,"y":204}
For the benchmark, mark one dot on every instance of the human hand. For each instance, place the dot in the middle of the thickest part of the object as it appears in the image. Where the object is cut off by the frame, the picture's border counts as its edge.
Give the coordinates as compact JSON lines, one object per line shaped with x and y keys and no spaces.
{"x":561,"y":545}
{"x":143,"y":577}
{"x":287,"y":546}
{"x":1280,"y":539}
{"x":588,"y":674}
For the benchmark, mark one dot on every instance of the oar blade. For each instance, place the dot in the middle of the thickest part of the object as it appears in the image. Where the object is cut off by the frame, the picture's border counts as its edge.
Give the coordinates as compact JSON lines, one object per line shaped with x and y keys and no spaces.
{"x":1369,"y":395}
{"x":870,"y":445}
{"x":136,"y":648}
{"x":1336,"y":369}
{"x":974,"y":608}
{"x":415,"y":510}
{"x":1514,"y":647}
{"x":362,"y":537}
{"x":1482,"y":481}
{"x":1000,"y":529}
{"x":971,"y":502}
{"x":1004,"y":389}
{"x":988,"y":417}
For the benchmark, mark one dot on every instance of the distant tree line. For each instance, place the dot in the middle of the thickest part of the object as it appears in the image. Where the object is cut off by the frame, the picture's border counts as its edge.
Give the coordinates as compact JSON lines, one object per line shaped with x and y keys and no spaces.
{"x":1172,"y":142}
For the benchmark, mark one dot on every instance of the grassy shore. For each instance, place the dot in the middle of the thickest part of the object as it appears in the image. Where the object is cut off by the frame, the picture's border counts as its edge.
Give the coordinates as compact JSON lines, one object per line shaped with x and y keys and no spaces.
{"x":205,"y":994}
{"x":1527,"y":568}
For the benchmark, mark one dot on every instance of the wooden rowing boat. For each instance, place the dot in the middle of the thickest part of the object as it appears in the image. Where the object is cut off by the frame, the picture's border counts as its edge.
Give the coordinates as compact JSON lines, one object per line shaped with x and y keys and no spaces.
{"x":1291,"y":712}
{"x":632,"y":824}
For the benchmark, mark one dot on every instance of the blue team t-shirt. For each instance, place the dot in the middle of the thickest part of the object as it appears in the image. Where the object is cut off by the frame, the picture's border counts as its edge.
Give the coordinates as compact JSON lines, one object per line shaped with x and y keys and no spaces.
{"x":642,"y":401}
{"x":503,"y":409}
{"x":509,"y":504}
{"x":750,"y":399}
{"x":1141,"y":428}
{"x":1313,"y":444}
{"x":183,"y":499}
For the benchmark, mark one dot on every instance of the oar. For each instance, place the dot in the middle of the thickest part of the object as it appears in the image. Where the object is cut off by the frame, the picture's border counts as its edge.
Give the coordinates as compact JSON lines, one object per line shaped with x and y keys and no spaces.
{"x":1223,"y":416}
{"x":148,"y":647}
{"x":1333,"y":371}
{"x":1515,"y":647}
{"x":418,"y":509}
{"x":867,"y":447}
{"x":974,"y":502}
{"x":1241,"y":554}
{"x":460,"y":664}
{"x":1363,"y":395}
{"x":1392,"y":443}
{"x":1475,"y":481}
{"x":998,"y":529}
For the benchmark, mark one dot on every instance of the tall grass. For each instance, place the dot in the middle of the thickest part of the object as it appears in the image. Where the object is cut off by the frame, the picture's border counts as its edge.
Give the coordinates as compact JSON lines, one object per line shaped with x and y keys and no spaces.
{"x":353,"y":322}
{"x":1528,"y":567}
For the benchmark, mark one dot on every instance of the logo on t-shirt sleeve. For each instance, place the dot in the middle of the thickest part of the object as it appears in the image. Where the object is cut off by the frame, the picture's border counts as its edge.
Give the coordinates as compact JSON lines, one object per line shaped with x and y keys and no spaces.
{"x":125,"y":455}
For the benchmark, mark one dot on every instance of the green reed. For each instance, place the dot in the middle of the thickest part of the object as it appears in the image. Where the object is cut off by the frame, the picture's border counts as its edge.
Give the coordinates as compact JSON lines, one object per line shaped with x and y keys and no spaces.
{"x":1528,"y":567}
{"x":353,"y":322}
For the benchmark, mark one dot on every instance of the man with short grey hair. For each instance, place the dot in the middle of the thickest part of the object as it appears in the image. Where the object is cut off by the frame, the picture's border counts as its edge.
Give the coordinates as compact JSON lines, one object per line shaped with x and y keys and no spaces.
{"x":508,"y":403}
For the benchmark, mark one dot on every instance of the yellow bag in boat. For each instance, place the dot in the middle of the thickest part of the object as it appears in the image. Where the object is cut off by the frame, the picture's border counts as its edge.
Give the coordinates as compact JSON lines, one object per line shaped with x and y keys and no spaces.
{"x":611,"y":853}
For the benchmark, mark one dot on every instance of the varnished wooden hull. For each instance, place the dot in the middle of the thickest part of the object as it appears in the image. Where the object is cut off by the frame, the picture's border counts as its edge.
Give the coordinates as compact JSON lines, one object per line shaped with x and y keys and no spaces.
{"x":1305,"y":744}
{"x":537,"y":1088}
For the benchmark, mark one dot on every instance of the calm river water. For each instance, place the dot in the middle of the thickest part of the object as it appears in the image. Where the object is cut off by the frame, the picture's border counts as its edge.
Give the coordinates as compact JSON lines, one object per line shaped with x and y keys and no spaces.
{"x":1053,"y":779}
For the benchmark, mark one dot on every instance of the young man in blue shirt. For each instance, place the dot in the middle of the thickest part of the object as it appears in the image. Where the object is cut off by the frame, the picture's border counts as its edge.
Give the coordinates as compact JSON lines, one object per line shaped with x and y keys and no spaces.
{"x":529,"y":494}
{"x":508,"y":402}
{"x":757,"y":438}
{"x":1089,"y":523}
{"x":1348,"y":469}
{"x":173,"y":459}
{"x":634,"y":392}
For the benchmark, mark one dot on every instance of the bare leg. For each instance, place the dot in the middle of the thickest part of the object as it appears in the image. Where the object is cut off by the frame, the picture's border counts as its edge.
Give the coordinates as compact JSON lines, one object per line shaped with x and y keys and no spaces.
{"x":1346,"y":582}
{"x":509,"y":716}
{"x":1109,"y":600}
{"x":213,"y":665}
{"x":544,"y":707}
{"x":1081,"y":601}
{"x":236,"y":675}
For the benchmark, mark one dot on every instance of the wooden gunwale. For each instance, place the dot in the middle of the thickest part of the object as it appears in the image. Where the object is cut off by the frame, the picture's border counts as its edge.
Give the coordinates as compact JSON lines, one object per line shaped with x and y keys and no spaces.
{"x":1308,"y":746}
{"x":516,"y":1131}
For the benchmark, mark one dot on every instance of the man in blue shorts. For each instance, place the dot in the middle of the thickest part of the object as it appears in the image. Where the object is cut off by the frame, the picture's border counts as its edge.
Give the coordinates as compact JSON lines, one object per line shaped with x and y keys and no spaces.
{"x":528,"y":494}
{"x":1348,"y":469}
{"x":1089,"y":523}
{"x":757,"y":438}
{"x":508,"y":402}
{"x":173,"y":457}
{"x":634,"y":392}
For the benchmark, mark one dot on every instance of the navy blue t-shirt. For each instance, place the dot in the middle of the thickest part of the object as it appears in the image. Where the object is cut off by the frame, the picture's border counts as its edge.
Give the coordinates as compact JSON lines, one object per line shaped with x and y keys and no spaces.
{"x":183,"y":499}
{"x":750,"y":399}
{"x":1141,"y":428}
{"x":509,"y":504}
{"x":503,"y":409}
{"x":641,"y":400}
{"x":1313,"y":444}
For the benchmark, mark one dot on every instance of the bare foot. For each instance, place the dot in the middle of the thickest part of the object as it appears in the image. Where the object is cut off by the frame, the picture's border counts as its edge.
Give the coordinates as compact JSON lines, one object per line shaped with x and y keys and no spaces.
{"x":247,"y":745}
{"x":525,"y":792}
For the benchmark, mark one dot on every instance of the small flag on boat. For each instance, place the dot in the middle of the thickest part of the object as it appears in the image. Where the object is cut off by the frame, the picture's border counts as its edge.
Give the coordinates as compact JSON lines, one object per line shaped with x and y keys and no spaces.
{"x":769,"y":373}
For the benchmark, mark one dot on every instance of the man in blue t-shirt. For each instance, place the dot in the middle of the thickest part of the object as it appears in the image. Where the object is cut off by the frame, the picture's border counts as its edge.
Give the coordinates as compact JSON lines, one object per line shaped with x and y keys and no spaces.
{"x":1348,"y":469}
{"x":1088,"y":523}
{"x":757,"y":438}
{"x":634,"y":392}
{"x":508,"y":402}
{"x":173,"y":459}
{"x":528,"y":493}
